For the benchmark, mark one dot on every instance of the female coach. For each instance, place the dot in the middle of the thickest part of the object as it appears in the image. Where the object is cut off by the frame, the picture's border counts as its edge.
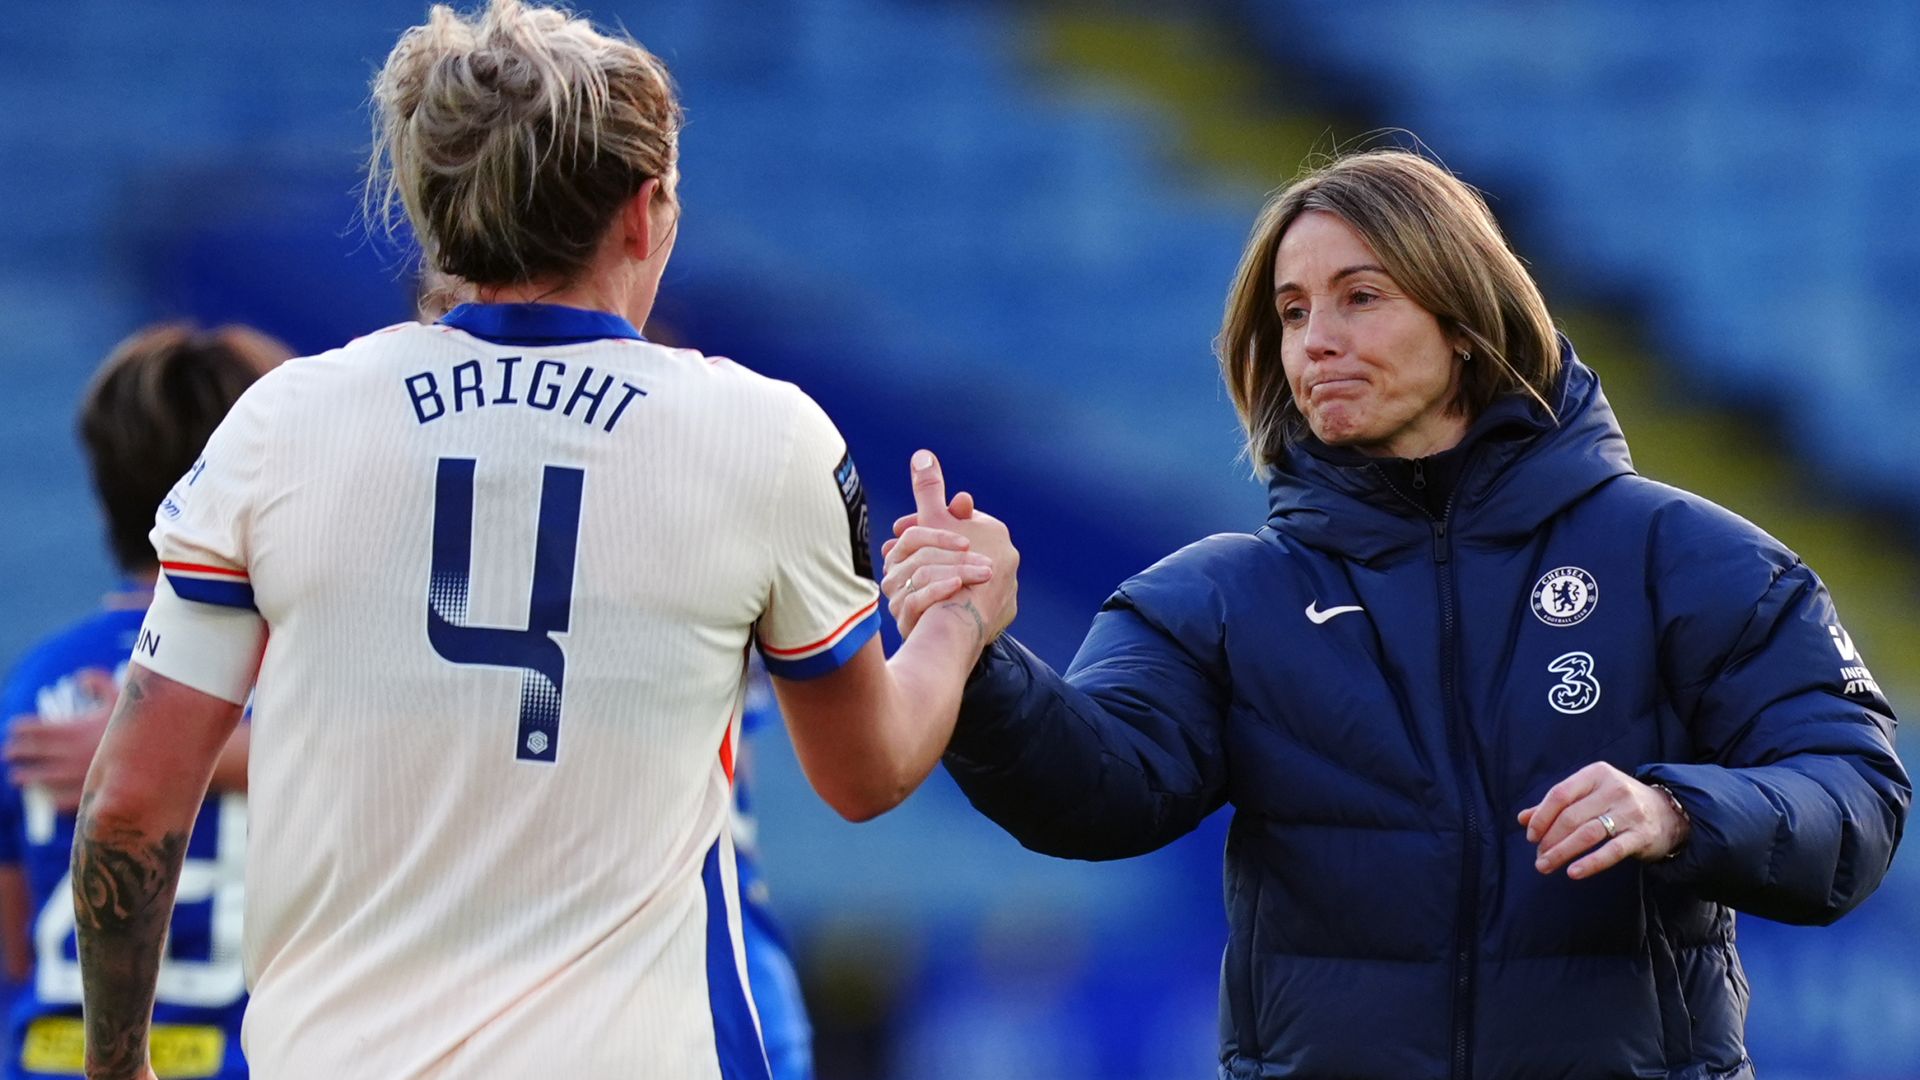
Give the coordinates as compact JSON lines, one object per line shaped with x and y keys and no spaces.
{"x":1470,"y":648}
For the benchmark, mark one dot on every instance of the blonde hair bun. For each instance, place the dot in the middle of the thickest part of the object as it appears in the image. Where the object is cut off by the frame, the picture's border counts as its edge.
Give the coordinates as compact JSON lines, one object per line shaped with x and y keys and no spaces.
{"x":512,"y":135}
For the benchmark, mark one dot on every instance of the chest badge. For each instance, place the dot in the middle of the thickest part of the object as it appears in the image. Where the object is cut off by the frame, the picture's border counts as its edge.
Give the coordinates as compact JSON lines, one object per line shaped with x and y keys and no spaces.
{"x":1565,"y":596}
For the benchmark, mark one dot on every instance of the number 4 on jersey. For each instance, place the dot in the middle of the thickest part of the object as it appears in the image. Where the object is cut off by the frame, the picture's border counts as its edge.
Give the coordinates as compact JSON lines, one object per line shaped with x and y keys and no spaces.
{"x":549,"y":607}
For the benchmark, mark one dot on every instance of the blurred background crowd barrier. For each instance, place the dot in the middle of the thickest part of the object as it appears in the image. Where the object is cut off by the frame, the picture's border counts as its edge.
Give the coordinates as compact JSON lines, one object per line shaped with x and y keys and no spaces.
{"x":1005,"y":230}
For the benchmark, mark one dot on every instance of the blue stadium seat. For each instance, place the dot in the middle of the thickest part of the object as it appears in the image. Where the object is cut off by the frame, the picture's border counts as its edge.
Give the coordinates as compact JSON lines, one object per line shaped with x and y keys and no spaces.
{"x":1733,"y":171}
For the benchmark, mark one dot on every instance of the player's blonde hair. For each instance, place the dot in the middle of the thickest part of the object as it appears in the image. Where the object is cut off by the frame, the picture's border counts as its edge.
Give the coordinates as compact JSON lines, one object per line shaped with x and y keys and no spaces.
{"x":1437,"y":239}
{"x":512,"y":135}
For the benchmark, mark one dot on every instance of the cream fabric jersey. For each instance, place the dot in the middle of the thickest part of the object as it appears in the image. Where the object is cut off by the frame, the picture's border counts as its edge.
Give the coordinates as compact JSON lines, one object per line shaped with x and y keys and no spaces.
{"x":508,"y":570}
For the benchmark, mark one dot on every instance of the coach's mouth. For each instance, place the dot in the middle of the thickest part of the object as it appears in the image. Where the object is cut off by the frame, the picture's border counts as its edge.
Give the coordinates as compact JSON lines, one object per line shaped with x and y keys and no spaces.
{"x":1334,"y":387}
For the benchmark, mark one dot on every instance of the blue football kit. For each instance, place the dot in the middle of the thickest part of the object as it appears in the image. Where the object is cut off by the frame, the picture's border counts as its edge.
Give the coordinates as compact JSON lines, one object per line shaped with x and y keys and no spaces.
{"x":202,"y":990}
{"x":774,"y":981}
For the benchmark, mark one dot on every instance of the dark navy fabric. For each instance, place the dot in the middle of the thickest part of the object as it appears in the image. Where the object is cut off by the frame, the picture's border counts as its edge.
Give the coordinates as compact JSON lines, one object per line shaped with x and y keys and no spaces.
{"x":1385,"y":917}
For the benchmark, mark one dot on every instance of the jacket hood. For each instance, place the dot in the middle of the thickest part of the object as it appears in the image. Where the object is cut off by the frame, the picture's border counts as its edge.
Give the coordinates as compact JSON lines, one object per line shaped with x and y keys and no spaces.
{"x":1522,"y":468}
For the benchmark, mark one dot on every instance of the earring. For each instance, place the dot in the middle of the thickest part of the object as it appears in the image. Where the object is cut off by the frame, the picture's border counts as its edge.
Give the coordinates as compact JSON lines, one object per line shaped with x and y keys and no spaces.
{"x":1464,"y":355}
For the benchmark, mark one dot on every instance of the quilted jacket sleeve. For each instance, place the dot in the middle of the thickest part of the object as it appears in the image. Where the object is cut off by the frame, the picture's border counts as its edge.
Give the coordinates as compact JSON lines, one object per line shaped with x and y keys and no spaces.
{"x":1120,"y":756}
{"x":1797,"y":797}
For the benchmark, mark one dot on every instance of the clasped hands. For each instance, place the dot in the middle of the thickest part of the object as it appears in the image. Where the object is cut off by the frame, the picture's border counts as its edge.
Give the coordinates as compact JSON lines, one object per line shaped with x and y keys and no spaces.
{"x":949,"y":556}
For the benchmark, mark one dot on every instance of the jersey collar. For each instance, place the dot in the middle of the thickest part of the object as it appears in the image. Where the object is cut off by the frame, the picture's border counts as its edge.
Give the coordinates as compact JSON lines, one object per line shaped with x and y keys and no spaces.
{"x":538,"y":324}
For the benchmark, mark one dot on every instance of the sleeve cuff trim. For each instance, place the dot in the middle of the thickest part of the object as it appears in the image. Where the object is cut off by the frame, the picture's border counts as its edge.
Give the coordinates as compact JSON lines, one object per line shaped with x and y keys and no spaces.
{"x":225,"y":590}
{"x":831,"y":654}
{"x":202,"y":568}
{"x":872,"y":608}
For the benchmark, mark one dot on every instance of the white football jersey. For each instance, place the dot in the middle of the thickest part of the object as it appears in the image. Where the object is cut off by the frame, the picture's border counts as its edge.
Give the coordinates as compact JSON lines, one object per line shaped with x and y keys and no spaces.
{"x":508,"y":568}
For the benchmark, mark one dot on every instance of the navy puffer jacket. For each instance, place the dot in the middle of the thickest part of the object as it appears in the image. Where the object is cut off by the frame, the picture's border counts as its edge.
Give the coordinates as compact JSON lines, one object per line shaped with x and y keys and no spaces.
{"x":1386,"y":921}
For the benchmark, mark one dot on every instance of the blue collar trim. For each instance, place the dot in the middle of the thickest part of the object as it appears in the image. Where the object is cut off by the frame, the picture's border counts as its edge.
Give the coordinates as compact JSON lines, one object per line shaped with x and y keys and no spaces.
{"x":538,"y":324}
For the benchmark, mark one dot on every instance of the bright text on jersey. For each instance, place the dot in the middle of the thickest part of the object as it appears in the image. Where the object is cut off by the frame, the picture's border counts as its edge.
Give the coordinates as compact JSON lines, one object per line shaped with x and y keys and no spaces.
{"x":543,"y":385}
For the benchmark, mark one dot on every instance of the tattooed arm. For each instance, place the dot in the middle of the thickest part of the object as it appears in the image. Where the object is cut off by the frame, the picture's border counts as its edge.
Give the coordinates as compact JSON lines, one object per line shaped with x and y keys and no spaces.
{"x":141,"y":798}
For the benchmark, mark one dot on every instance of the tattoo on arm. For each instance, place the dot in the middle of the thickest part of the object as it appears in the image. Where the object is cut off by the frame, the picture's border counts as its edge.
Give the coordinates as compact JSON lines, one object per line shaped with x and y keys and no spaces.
{"x":124,"y":879}
{"x":123,"y":886}
{"x":979,"y":624}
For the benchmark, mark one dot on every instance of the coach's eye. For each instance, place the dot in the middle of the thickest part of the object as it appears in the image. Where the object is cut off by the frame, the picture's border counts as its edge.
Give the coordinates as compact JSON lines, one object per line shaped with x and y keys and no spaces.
{"x":1291,"y":314}
{"x":1363,"y":297}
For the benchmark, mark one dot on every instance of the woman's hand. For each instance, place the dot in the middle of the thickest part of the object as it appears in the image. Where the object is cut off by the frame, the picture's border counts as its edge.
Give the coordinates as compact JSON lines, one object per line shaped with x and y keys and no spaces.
{"x":935,"y":566}
{"x":949,"y":553}
{"x":1606,"y":814}
{"x":55,"y":755}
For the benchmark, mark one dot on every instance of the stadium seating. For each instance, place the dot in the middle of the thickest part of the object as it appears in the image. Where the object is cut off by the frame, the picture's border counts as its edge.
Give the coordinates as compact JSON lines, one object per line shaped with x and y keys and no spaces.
{"x":900,"y":206}
{"x":1746,"y":177}
{"x":874,"y":199}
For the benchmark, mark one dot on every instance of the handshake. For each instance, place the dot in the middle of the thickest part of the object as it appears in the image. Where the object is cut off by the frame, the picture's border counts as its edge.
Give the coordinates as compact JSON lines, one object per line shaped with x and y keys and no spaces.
{"x":948,"y":556}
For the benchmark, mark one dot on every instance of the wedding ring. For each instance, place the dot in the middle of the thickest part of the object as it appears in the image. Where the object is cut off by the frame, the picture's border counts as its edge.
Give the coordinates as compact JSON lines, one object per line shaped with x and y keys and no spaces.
{"x":1606,"y":822}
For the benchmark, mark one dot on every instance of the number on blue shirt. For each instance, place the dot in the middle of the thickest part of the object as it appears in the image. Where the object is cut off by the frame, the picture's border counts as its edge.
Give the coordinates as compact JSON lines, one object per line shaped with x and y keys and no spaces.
{"x":211,"y":888}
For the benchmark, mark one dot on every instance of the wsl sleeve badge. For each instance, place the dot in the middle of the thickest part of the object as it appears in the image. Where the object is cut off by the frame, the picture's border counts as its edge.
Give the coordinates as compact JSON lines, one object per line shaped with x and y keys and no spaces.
{"x":854,"y":494}
{"x":1565,"y":596}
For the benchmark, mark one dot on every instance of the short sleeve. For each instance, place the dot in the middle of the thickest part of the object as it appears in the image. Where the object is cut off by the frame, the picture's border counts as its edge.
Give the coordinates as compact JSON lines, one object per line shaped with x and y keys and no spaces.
{"x":203,"y":628}
{"x":824,"y":604}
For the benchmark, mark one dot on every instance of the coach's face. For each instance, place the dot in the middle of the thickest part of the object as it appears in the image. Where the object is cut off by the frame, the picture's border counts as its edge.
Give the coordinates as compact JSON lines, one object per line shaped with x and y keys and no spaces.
{"x":1368,"y":367}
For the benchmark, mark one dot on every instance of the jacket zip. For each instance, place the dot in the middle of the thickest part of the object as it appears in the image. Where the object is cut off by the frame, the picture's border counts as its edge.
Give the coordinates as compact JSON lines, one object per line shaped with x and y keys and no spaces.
{"x":1467,"y":919}
{"x":1466,"y":937}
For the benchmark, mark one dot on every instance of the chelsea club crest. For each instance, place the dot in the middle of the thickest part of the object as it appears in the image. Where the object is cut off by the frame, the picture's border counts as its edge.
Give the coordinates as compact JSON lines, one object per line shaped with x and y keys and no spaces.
{"x":1565,"y":596}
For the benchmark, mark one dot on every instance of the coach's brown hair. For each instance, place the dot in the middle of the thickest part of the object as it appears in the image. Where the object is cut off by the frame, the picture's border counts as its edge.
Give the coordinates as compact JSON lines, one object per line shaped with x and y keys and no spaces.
{"x":1437,"y":239}
{"x":513,"y":135}
{"x":147,"y":414}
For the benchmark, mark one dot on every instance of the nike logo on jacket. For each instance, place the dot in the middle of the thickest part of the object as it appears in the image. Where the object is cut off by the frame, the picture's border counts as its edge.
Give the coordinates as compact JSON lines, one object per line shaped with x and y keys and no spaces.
{"x":1316,"y":616}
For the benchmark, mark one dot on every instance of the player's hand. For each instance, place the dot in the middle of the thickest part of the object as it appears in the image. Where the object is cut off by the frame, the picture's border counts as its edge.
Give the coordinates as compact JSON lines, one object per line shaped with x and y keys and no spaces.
{"x":935,"y":567}
{"x":949,"y":552}
{"x":1568,"y":822}
{"x":56,"y":754}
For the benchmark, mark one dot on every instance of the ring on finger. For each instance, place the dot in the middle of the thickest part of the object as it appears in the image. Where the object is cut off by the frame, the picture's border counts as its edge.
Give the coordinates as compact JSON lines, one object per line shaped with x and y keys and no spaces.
{"x":913,"y":582}
{"x":1606,"y":822}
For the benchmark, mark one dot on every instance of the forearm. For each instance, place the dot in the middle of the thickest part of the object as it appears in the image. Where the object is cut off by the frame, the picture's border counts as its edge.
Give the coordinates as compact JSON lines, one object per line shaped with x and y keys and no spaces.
{"x":1802,"y":841}
{"x":1029,"y":754}
{"x":136,"y":814}
{"x":928,"y":675}
{"x":1796,"y":793}
{"x":867,"y":734}
{"x":124,"y":876}
{"x":1111,"y":762}
{"x":16,"y":923}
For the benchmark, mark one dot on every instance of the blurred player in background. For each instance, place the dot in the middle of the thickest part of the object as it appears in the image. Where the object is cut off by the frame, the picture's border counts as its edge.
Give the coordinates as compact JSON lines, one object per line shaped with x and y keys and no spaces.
{"x":512,"y":565}
{"x":144,"y":420}
{"x":772,"y":979}
{"x":771,"y":973}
